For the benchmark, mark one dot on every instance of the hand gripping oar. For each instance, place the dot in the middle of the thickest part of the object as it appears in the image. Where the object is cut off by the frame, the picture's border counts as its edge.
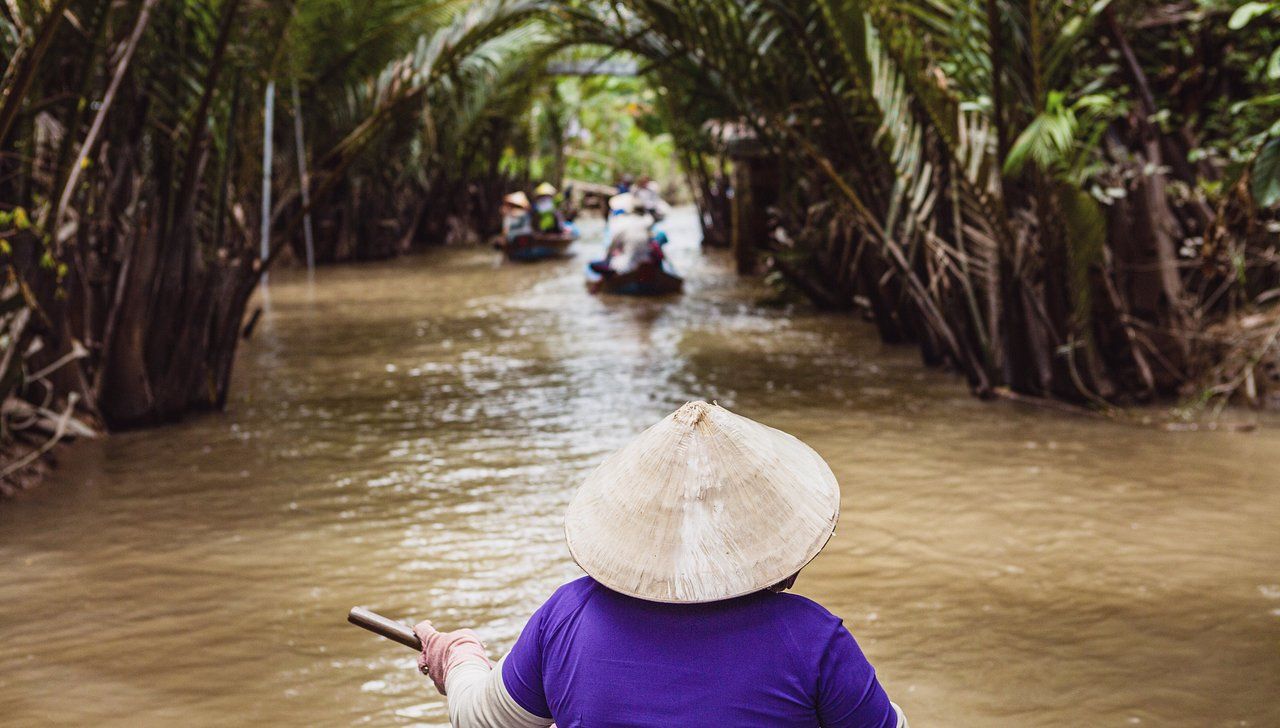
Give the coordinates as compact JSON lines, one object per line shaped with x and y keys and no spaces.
{"x":389,"y":628}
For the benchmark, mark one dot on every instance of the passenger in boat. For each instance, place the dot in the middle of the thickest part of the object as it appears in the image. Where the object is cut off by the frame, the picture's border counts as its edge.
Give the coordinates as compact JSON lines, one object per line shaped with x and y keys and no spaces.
{"x":631,"y":240}
{"x":515,"y":215}
{"x":546,"y":216}
{"x":648,"y":196}
{"x":689,"y":535}
{"x":631,"y":245}
{"x":658,"y":241}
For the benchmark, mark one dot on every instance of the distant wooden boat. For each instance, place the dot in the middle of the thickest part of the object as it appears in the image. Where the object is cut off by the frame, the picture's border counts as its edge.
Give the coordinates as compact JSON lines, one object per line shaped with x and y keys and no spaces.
{"x":650,"y":279}
{"x":538,"y":246}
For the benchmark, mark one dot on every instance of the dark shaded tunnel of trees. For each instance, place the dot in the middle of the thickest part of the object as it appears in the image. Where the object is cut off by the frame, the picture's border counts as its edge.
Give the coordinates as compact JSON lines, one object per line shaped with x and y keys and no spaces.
{"x":1062,"y":200}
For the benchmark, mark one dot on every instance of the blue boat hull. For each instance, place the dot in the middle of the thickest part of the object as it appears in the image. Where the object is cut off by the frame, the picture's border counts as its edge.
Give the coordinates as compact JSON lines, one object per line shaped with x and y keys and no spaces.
{"x":536,"y":252}
{"x":525,"y":247}
{"x":647,"y":280}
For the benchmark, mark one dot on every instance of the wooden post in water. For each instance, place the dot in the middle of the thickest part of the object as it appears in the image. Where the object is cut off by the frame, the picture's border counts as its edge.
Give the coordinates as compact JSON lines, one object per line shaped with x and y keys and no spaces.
{"x":755,"y":188}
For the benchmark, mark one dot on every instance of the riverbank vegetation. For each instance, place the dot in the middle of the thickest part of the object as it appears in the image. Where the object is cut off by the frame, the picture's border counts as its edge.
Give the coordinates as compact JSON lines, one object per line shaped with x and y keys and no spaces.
{"x":1059,"y":199}
{"x":136,"y":220}
{"x":612,"y":127}
{"x":1072,"y":200}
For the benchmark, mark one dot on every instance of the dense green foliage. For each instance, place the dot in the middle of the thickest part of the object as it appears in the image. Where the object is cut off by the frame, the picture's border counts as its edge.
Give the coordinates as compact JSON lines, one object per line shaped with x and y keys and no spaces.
{"x":133,"y":148}
{"x":1052,"y":196}
{"x":593,"y":129}
{"x":1058,"y":197}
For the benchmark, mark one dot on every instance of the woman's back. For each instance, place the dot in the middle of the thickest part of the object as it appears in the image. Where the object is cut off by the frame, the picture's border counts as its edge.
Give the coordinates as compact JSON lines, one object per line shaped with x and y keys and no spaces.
{"x":699,"y":509}
{"x":593,"y":657}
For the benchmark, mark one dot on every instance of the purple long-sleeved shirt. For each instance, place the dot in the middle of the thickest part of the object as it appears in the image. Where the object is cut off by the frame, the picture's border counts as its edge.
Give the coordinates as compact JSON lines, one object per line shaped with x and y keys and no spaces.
{"x":593,"y":657}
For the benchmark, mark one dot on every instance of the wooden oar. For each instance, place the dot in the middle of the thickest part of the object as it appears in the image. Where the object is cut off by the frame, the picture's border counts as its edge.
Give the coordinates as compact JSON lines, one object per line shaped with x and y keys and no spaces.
{"x":389,"y":628}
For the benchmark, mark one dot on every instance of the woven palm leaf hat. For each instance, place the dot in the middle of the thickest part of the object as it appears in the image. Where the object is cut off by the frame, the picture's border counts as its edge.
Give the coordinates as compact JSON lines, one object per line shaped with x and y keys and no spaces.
{"x":517,"y":199}
{"x":703,"y":506}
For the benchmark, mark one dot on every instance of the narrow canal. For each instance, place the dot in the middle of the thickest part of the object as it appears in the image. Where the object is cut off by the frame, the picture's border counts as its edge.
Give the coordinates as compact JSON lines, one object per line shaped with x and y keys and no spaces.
{"x":405,"y":435}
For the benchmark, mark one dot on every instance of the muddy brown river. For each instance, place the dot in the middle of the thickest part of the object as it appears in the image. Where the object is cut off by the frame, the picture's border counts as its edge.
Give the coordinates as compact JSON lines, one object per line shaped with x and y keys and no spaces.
{"x":405,"y":435}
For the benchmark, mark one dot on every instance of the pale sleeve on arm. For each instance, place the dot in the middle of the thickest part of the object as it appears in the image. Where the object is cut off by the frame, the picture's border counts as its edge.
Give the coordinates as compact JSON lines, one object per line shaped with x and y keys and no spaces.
{"x":478,"y":698}
{"x":510,"y":695}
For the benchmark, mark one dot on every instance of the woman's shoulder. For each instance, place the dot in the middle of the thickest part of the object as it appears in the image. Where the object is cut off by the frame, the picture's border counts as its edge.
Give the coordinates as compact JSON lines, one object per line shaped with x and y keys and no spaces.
{"x":571,"y":595}
{"x":820,"y":636}
{"x":578,"y":587}
{"x":803,"y":608}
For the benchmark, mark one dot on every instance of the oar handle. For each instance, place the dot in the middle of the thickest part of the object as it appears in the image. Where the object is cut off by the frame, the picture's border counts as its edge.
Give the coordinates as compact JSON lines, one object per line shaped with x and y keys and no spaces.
{"x":389,"y":628}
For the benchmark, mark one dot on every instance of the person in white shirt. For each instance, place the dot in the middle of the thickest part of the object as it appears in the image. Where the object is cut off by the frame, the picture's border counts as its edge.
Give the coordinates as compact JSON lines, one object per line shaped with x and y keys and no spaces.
{"x":632,"y":244}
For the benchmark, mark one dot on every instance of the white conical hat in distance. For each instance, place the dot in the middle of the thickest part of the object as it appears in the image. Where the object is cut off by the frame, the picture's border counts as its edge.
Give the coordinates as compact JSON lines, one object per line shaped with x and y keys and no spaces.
{"x":703,"y":506}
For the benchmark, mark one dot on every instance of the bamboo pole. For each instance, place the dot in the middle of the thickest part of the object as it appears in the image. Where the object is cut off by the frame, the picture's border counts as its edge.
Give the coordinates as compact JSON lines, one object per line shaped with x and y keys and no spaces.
{"x":304,"y":180}
{"x":268,"y":125}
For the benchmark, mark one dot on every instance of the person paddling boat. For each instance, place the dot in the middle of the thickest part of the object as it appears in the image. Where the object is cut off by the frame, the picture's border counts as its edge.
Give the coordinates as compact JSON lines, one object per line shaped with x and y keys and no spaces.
{"x":689,"y":535}
{"x":534,"y":231}
{"x":546,"y":215}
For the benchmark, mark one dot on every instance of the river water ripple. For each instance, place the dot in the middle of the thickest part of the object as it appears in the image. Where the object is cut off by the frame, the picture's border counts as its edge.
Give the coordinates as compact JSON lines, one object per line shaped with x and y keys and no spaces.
{"x":406,"y":435}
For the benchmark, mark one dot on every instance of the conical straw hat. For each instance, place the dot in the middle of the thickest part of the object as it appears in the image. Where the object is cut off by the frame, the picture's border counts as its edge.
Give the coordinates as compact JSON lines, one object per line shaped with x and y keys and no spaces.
{"x":517,"y":199}
{"x":624,"y":201}
{"x":703,"y":506}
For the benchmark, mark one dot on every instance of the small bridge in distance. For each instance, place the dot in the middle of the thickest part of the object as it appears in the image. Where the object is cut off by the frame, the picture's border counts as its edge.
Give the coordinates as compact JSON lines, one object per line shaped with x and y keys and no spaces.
{"x":594,"y":67}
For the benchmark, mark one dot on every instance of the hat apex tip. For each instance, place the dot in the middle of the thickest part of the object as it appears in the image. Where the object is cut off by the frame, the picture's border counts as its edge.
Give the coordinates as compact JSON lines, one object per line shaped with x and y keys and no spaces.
{"x":692,"y":412}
